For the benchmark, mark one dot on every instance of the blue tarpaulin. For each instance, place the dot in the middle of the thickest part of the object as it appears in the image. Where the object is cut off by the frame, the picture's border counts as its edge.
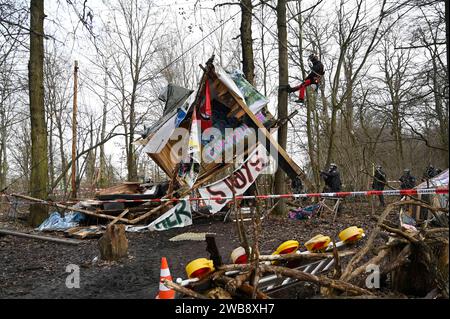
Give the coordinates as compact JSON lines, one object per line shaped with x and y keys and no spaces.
{"x":56,"y":222}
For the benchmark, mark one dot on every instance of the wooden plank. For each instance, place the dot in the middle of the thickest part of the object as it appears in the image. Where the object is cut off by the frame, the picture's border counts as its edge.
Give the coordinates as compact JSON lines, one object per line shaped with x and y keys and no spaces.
{"x":234,"y":110}
{"x":160,"y":162}
{"x":46,"y":238}
{"x":124,"y":188}
{"x":115,"y":220}
{"x":84,"y":232}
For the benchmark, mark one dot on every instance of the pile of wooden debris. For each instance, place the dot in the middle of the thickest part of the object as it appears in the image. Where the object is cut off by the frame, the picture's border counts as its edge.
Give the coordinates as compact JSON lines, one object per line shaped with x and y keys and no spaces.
{"x":413,"y":261}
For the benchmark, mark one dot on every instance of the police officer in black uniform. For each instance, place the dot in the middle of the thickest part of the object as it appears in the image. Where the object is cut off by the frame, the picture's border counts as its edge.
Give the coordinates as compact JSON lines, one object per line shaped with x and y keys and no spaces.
{"x":332,"y":179}
{"x":407,"y":180}
{"x":379,"y":182}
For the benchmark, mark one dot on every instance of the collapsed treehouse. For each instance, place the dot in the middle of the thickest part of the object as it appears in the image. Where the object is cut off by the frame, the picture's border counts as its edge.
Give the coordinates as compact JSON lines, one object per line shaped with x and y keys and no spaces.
{"x":236,"y":114}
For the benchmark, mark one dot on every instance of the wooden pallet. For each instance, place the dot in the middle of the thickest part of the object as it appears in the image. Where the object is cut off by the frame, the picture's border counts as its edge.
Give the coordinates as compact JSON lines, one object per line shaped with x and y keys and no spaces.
{"x":85,"y":232}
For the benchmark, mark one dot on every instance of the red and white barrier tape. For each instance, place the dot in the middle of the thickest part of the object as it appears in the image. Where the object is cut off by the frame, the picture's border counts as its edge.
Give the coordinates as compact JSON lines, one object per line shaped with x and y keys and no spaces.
{"x":402,"y":192}
{"x":394,"y":192}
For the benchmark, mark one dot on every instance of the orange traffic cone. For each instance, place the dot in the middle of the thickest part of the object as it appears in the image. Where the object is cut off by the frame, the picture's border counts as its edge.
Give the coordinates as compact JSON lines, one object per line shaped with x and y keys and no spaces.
{"x":164,"y":292}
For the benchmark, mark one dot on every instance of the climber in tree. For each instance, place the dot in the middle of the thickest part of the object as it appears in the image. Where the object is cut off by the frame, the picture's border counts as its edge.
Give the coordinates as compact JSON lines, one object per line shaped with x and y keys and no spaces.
{"x":313,"y":77}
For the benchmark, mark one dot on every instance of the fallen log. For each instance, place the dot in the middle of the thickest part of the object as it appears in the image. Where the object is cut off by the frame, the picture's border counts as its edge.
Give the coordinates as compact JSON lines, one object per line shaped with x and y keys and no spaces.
{"x":400,"y":261}
{"x":422,"y":262}
{"x":374,"y":261}
{"x":399,"y":232}
{"x":245,"y":288}
{"x":304,"y":257}
{"x":183,"y":290}
{"x":46,"y":238}
{"x":361,"y":253}
{"x":303,"y":276}
{"x":238,"y":281}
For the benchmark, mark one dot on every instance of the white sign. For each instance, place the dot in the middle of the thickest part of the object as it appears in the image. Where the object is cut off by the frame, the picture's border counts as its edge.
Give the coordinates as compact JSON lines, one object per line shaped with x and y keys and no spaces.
{"x":240,"y":180}
{"x":178,"y":216}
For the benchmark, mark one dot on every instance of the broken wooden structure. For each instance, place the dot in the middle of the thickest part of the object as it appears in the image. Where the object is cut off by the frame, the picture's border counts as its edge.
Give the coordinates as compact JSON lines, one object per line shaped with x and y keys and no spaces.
{"x":232,"y":104}
{"x":412,"y":262}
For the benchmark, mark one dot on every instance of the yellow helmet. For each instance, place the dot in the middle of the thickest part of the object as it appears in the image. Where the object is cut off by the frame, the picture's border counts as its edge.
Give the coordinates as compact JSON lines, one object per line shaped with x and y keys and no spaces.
{"x":318,"y":243}
{"x":351,"y":234}
{"x":199,"y":268}
{"x":287,"y":247}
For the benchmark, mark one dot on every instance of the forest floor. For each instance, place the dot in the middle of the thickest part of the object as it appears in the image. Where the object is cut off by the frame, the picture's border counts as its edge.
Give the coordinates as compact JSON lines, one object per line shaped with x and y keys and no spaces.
{"x":32,"y":268}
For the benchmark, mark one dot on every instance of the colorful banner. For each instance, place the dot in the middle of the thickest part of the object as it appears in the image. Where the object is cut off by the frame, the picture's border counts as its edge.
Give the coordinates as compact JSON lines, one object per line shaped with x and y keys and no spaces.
{"x":254,"y":100}
{"x":236,"y":83}
{"x":239,"y":181}
{"x":178,"y":216}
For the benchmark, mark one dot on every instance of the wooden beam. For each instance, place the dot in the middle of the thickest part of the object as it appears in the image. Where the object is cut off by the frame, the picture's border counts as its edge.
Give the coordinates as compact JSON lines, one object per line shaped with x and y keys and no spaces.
{"x":46,"y":238}
{"x":115,"y":220}
{"x":87,"y":212}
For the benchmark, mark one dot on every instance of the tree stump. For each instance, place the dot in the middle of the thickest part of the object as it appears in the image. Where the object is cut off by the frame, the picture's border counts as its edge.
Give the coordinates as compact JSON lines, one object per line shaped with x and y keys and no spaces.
{"x":114,"y":244}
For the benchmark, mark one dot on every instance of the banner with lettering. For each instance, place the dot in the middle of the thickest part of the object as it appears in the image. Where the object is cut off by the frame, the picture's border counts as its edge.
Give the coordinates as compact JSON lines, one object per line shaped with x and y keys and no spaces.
{"x":178,"y":216}
{"x":240,"y":180}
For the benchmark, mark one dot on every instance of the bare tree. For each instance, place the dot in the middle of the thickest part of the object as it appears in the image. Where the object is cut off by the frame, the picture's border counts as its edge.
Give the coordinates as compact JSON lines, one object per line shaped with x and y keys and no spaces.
{"x":132,"y":42}
{"x":283,"y":73}
{"x":39,"y":164}
{"x":12,"y":18}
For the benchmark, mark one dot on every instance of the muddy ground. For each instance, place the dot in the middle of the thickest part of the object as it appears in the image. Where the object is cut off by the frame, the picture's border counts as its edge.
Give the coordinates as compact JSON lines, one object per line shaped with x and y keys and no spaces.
{"x":37,"y":269}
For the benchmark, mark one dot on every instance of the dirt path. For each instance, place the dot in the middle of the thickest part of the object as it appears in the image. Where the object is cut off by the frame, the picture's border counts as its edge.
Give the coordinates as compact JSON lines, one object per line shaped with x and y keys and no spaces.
{"x":37,"y":269}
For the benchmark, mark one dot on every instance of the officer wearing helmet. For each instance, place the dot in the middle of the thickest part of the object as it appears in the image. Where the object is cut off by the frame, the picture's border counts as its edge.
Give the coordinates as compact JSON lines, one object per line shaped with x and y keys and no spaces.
{"x":430,"y":172}
{"x":332,"y":179}
{"x":313,"y":78}
{"x":379,"y":182}
{"x":407,"y":180}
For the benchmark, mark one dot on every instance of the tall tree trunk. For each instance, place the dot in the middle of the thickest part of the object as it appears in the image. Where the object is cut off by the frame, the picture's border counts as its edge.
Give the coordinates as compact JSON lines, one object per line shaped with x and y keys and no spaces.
{"x":397,"y":132}
{"x":131,"y":154}
{"x":447,"y":32}
{"x":264,"y":58}
{"x":61,"y":151}
{"x":102,"y":173}
{"x":3,"y":158}
{"x":332,"y":135}
{"x":51,"y":156}
{"x":91,"y":157}
{"x":246,"y":41}
{"x":248,"y":64}
{"x":39,"y":165}
{"x":310,"y":108}
{"x":283,"y":73}
{"x":440,"y":112}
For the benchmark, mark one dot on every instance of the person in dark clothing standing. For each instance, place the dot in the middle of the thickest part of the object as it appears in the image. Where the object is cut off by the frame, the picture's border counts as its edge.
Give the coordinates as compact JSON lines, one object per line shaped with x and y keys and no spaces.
{"x":317,"y":71}
{"x":407,"y":180}
{"x":379,"y":182}
{"x":430,"y":172}
{"x":332,"y":179}
{"x":297,"y":185}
